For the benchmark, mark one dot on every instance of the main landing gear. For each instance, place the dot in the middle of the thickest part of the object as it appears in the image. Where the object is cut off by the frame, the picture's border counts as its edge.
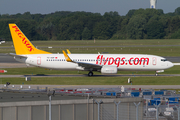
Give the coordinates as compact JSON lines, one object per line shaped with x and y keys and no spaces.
{"x":90,"y":73}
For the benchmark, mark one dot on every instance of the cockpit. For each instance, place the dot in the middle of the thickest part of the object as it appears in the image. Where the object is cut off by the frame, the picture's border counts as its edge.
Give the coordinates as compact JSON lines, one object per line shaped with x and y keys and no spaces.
{"x":164,"y":60}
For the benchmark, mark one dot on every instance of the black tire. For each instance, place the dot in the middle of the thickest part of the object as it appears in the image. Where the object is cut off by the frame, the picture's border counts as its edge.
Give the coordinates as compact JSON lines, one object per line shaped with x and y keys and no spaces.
{"x":90,"y":74}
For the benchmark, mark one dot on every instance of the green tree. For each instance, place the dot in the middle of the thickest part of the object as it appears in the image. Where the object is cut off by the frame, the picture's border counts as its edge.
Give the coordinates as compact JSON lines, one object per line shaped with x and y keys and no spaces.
{"x":27,"y":15}
{"x":175,"y":24}
{"x":86,"y":34}
{"x":177,"y":11}
{"x":47,"y":30}
{"x":29,"y":29}
{"x":4,"y":31}
{"x":101,"y":31}
{"x":176,"y":35}
{"x":155,"y":29}
{"x":136,"y":27}
{"x":130,"y":13}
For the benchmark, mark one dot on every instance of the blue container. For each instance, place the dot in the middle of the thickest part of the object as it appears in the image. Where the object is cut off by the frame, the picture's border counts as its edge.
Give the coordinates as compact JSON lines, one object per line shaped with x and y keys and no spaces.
{"x":173,"y":100}
{"x":135,"y":94}
{"x":156,"y":101}
{"x":111,"y":93}
{"x":159,"y":92}
{"x":147,"y":93}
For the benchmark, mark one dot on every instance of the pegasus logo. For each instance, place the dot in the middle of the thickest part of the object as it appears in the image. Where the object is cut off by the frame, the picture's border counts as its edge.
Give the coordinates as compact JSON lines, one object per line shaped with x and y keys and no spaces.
{"x":23,"y":38}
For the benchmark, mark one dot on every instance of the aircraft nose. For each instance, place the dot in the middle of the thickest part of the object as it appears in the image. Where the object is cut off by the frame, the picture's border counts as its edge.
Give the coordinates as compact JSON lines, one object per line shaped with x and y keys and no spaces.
{"x":170,"y":64}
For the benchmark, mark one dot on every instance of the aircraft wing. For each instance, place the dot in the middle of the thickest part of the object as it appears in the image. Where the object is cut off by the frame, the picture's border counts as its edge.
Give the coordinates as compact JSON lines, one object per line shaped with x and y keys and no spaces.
{"x":87,"y":66}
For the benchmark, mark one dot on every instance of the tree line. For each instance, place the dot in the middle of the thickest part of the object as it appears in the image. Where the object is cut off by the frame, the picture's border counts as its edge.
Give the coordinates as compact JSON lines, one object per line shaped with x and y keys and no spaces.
{"x":65,"y":25}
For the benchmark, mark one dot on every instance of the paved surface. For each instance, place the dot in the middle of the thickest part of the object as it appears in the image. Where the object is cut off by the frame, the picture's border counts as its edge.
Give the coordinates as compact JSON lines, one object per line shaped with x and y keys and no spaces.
{"x":12,"y":65}
{"x":17,"y":97}
{"x":173,"y":59}
{"x":138,"y":75}
{"x":5,"y":58}
{"x":94,"y":86}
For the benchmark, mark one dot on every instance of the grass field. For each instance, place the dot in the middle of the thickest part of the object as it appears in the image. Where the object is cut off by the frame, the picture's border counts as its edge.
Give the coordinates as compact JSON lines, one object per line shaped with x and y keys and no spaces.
{"x":94,"y":80}
{"x":36,"y":71}
{"x":95,"y":47}
{"x":101,"y":42}
{"x":161,"y":51}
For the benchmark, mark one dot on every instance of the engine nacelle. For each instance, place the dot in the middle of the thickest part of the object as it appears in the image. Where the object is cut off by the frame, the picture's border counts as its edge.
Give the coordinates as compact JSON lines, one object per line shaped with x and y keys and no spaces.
{"x":107,"y":69}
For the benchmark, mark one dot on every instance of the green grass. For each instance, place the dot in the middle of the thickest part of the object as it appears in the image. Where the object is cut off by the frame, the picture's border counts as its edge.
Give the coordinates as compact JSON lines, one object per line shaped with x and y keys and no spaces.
{"x":103,"y":80}
{"x":101,"y":42}
{"x":94,"y":80}
{"x":37,"y":70}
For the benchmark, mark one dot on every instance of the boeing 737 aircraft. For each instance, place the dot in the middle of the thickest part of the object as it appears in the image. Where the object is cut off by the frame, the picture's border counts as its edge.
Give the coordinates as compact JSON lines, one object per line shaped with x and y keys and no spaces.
{"x":104,"y":63}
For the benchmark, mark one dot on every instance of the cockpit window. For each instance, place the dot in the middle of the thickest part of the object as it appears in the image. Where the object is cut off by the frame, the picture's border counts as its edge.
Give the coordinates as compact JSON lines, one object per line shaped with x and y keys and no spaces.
{"x":164,"y":60}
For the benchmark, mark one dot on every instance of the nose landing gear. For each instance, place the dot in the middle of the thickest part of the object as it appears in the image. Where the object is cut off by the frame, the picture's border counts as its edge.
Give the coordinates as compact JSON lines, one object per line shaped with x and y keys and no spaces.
{"x":156,"y":74}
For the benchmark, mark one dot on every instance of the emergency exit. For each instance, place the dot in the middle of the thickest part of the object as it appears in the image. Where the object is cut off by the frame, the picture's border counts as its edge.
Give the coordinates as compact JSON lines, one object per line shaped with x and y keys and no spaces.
{"x":154,"y":60}
{"x":38,"y":60}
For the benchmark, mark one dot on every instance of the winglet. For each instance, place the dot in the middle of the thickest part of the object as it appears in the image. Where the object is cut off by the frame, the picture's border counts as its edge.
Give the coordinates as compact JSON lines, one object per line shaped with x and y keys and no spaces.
{"x":68,"y":51}
{"x":67,"y":57}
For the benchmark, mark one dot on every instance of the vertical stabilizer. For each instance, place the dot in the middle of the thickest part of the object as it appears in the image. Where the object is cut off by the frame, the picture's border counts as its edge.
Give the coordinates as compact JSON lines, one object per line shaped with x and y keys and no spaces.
{"x":21,"y":43}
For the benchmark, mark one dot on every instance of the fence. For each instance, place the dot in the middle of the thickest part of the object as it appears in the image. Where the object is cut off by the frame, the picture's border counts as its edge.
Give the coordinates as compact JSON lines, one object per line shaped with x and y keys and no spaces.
{"x":90,"y":109}
{"x":162,"y":110}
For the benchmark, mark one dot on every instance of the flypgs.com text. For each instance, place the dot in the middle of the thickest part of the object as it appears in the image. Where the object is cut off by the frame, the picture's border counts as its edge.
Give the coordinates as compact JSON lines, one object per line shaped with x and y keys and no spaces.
{"x":101,"y":60}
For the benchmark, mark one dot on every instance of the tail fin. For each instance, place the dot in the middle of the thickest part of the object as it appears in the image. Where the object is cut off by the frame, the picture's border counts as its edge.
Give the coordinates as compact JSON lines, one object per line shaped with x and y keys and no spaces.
{"x":21,"y":43}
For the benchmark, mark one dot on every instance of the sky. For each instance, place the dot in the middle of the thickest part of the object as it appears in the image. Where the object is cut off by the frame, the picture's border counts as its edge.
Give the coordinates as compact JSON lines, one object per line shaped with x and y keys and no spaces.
{"x":95,"y":6}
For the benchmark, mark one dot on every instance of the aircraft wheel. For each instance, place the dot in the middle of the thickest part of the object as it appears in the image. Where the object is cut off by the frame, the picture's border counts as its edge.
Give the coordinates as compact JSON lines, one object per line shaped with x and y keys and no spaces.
{"x":90,"y":74}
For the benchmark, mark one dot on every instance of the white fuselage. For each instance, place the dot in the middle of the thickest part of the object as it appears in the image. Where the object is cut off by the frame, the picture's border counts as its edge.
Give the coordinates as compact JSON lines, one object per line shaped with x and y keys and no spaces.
{"x":137,"y":62}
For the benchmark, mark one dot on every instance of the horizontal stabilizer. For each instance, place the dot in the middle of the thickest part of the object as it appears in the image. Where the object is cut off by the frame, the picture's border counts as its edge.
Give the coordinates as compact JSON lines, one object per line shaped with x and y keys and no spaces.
{"x":12,"y":54}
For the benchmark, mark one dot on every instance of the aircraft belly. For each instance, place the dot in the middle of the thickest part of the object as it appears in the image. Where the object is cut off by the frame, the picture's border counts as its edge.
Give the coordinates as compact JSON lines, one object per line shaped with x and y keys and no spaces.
{"x":60,"y":65}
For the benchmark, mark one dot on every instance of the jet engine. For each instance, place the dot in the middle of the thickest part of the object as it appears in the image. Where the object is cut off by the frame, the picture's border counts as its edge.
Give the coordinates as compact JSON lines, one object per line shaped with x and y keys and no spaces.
{"x":109,"y":69}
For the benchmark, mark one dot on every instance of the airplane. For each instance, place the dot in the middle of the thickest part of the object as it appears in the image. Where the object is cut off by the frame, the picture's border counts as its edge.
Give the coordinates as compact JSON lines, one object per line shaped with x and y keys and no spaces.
{"x":104,"y":63}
